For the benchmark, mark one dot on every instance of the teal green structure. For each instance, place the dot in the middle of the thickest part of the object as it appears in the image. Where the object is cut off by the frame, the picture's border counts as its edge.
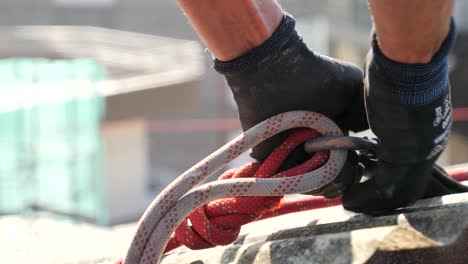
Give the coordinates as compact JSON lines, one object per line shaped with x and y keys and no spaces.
{"x":50,"y":148}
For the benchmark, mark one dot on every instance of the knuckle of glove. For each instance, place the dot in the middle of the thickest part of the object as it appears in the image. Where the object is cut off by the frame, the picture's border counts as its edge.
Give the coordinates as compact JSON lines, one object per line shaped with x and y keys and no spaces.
{"x":350,"y":174}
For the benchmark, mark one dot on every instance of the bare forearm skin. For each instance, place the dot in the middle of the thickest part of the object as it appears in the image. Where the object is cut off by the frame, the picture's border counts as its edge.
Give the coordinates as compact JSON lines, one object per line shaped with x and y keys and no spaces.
{"x":230,"y":28}
{"x":411,"y":31}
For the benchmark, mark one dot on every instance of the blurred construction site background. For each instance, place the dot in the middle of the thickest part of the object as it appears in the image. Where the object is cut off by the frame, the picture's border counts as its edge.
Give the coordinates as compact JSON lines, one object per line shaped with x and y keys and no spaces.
{"x":104,"y":102}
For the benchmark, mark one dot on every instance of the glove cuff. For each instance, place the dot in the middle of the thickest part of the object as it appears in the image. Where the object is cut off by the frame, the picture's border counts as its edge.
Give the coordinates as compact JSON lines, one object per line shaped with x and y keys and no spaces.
{"x":409,"y":105}
{"x":417,"y":84}
{"x":274,"y":44}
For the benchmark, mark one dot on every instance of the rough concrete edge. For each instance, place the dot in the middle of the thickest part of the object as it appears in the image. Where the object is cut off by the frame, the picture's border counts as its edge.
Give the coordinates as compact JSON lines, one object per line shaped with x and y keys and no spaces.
{"x":365,"y":242}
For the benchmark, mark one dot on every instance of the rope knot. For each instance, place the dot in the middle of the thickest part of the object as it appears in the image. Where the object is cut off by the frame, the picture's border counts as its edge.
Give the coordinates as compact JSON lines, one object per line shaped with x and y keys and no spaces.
{"x":219,"y":222}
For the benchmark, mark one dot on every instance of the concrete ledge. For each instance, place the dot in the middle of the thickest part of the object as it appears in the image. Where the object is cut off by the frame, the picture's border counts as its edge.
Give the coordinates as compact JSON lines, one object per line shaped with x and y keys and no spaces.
{"x":428,"y":231}
{"x":431,"y":231}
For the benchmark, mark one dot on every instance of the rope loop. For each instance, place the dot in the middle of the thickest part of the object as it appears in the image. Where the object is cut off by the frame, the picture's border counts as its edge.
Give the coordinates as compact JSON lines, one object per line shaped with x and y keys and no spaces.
{"x":219,"y":222}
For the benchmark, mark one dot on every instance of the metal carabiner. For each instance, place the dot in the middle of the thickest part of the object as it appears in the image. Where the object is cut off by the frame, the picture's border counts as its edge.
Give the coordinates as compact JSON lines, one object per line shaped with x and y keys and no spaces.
{"x":340,"y":142}
{"x":366,"y":149}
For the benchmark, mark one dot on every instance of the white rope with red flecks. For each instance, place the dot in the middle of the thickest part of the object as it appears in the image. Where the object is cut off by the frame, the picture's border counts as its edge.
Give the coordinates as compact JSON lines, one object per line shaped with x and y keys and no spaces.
{"x":178,"y":200}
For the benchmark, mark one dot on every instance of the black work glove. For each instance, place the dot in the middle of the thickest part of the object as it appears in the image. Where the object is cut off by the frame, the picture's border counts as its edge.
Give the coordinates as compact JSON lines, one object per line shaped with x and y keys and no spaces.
{"x":409,"y":110}
{"x":283,"y":75}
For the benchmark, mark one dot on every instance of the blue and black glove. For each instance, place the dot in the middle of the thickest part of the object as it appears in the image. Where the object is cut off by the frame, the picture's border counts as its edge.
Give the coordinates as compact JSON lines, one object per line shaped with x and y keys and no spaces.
{"x":409,"y":109}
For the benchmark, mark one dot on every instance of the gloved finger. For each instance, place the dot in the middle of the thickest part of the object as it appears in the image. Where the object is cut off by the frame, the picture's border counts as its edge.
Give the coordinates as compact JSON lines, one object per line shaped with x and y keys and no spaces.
{"x":355,"y":117}
{"x":392,"y":186}
{"x":364,"y":198}
{"x":350,"y":174}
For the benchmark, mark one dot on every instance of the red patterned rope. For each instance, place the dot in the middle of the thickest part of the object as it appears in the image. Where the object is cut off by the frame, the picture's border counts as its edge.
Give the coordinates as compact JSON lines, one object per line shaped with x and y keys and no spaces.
{"x":219,"y":222}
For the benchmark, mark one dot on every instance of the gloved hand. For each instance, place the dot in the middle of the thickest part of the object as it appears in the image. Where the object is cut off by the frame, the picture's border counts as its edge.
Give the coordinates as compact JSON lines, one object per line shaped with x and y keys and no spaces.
{"x":409,"y":110}
{"x":283,"y":75}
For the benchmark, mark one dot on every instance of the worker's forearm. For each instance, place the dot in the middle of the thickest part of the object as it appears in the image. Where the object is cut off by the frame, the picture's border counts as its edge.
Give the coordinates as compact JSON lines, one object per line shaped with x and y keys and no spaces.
{"x":411,"y":31}
{"x":232,"y":27}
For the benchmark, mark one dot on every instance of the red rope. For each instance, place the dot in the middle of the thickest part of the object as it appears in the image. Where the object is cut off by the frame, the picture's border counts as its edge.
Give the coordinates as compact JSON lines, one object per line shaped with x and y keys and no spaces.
{"x":219,"y":222}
